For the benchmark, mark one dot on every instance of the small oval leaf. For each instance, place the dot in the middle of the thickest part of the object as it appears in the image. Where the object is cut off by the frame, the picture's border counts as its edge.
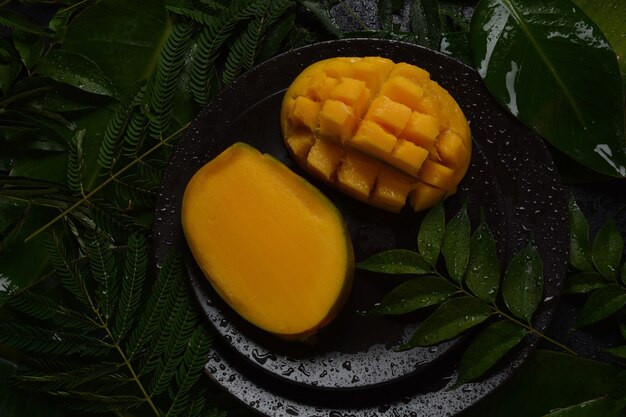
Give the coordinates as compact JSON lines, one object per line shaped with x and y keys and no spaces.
{"x":396,"y":261}
{"x":602,"y":303}
{"x":579,"y":248}
{"x":522,"y":288}
{"x":449,"y":320}
{"x":77,"y":70}
{"x":487,"y":348}
{"x":430,"y":235}
{"x":583,"y":282}
{"x":607,"y":250}
{"x":415,"y":294}
{"x":483,"y":269}
{"x":455,"y":245}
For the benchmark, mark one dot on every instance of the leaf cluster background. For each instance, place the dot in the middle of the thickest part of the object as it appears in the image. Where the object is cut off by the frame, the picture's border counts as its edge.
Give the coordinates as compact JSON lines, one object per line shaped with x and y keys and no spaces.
{"x":95,"y":94}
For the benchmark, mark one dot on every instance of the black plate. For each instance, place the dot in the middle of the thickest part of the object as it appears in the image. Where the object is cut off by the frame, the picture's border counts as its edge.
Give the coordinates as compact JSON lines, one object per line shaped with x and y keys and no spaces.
{"x":354,"y":369}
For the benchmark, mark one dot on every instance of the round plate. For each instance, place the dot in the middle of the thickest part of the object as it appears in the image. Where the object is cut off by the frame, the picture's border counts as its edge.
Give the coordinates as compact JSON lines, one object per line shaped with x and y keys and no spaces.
{"x":511,"y":178}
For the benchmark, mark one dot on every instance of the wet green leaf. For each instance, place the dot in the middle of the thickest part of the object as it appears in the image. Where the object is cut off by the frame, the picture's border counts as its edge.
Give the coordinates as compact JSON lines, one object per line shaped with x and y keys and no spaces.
{"x":415,"y":294}
{"x":425,"y":22}
{"x":552,"y":67}
{"x":430,"y":235}
{"x":449,"y":320}
{"x":580,"y":248}
{"x":77,"y":70}
{"x":455,"y":245}
{"x":483,"y":268}
{"x":607,"y":250}
{"x":456,"y":45}
{"x":584,"y":282}
{"x":592,"y":408}
{"x":487,"y":348}
{"x":29,"y":46}
{"x":601,"y":304}
{"x":522,"y":287}
{"x":396,"y":261}
{"x":323,"y":16}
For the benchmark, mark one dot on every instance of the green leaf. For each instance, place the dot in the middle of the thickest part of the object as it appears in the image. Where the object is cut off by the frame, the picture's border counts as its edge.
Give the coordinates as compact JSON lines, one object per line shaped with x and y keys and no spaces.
{"x":449,"y":320}
{"x":9,"y":68}
{"x":580,"y":248}
{"x":30,"y":47}
{"x":487,"y":348}
{"x":396,"y":261}
{"x":104,"y":271}
{"x":592,"y":408}
{"x":430,"y":235}
{"x":456,"y":45}
{"x":50,"y":342}
{"x":19,"y":22}
{"x":275,"y":36}
{"x":415,"y":294}
{"x":123,"y":38}
{"x":601,"y":304}
{"x":385,"y":15}
{"x":584,"y":282}
{"x":483,"y":268}
{"x":323,"y":16}
{"x":552,"y":67}
{"x":455,"y":246}
{"x":522,"y":288}
{"x":77,"y":70}
{"x":607,"y":250}
{"x":425,"y":22}
{"x":618,"y":351}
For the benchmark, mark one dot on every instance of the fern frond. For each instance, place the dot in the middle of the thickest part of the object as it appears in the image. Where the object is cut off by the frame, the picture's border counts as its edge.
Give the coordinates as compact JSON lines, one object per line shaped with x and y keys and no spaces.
{"x":167,"y":75}
{"x":135,"y":270}
{"x":76,"y":162}
{"x":35,"y":380}
{"x":113,"y":221}
{"x":42,"y":307}
{"x":138,"y":192}
{"x":242,"y":52}
{"x":96,"y":403}
{"x":133,"y":138}
{"x":67,"y":271}
{"x":209,"y":6}
{"x":51,"y":342}
{"x":158,"y":306}
{"x":115,"y":130}
{"x":188,"y":372}
{"x":104,"y":271}
{"x":152,"y":170}
{"x":211,"y":39}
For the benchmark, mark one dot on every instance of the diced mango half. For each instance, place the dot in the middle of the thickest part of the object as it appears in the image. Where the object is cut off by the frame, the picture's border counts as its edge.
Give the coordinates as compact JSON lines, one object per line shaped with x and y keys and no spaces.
{"x":382,"y":132}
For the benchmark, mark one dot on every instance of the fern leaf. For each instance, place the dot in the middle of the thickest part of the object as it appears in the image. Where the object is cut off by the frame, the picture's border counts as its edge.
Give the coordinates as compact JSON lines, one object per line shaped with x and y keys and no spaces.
{"x":104,"y":270}
{"x":158,"y":306}
{"x":76,"y":162}
{"x":167,"y":75}
{"x":135,"y":269}
{"x":133,"y":138}
{"x":43,"y":307}
{"x":67,"y":271}
{"x":35,"y":380}
{"x":46,"y":341}
{"x":96,"y":403}
{"x":138,"y":192}
{"x":171,"y":346}
{"x":115,"y":130}
{"x":152,"y":170}
{"x":189,"y":371}
{"x":210,"y":41}
{"x":113,"y":221}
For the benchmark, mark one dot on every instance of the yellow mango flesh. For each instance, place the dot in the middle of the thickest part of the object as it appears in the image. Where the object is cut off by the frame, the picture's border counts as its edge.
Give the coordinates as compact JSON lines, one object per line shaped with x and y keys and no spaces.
{"x":380,"y":131}
{"x":272,"y":245}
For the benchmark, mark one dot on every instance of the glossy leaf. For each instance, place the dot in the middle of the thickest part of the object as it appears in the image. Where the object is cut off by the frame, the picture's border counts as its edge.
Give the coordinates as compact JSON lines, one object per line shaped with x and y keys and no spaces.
{"x":77,"y":70}
{"x":456,"y":44}
{"x":522,"y":287}
{"x":552,"y":67}
{"x":123,"y":37}
{"x":455,"y":245}
{"x":430,"y":235}
{"x":584,"y":282}
{"x":591,"y":408}
{"x":449,"y":320}
{"x":29,"y":46}
{"x":483,"y":269}
{"x":580,"y":248}
{"x":396,"y":261}
{"x":607,"y":250}
{"x":425,"y":22}
{"x":487,"y":348}
{"x":601,"y":304}
{"x":415,"y":294}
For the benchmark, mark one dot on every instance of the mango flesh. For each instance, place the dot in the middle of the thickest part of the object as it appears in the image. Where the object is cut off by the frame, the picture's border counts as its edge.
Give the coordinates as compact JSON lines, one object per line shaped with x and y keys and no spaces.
{"x":382,"y":132}
{"x":271,"y":245}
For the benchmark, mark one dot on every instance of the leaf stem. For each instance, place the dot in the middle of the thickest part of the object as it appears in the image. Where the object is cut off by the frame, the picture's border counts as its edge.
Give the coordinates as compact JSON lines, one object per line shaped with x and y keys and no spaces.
{"x":106,"y":182}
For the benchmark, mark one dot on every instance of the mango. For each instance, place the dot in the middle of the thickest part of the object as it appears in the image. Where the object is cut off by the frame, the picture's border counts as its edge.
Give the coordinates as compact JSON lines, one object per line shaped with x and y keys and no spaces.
{"x":271,"y":244}
{"x":382,"y":132}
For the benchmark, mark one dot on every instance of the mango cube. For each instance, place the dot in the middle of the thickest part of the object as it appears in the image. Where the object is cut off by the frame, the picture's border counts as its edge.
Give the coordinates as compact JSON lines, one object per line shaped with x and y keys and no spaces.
{"x":389,"y":114}
{"x":424,"y":196}
{"x":305,"y":112}
{"x":373,"y":139}
{"x":324,"y":158}
{"x":337,"y":120}
{"x":403,"y":91}
{"x":300,"y":143}
{"x":320,"y":86}
{"x":422,"y":130}
{"x":440,"y":176}
{"x":408,"y":157}
{"x":352,"y":92}
{"x":392,"y":190}
{"x":357,"y":175}
{"x":411,"y":72}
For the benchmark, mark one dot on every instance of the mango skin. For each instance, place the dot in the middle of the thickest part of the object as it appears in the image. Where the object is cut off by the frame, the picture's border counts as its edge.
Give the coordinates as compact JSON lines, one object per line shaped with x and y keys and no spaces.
{"x":247,"y":219}
{"x":379,"y":131}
